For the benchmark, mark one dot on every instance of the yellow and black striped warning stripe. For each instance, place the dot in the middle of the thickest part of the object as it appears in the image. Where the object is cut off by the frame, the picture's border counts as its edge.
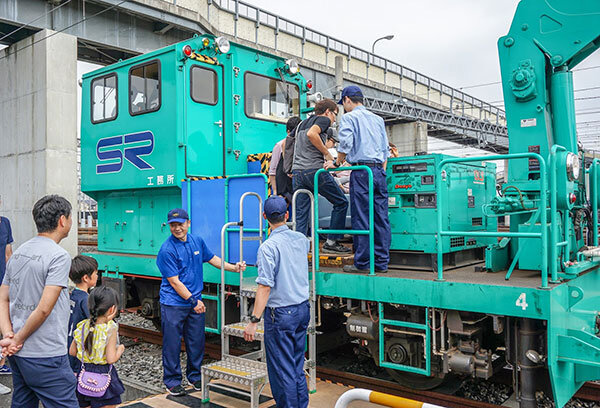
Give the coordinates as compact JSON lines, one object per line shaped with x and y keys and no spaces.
{"x":265,"y":163}
{"x":204,"y":178}
{"x":204,"y":58}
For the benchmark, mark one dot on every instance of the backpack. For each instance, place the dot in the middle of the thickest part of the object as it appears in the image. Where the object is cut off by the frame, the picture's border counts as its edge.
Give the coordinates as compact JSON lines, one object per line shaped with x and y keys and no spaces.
{"x":288,"y":150}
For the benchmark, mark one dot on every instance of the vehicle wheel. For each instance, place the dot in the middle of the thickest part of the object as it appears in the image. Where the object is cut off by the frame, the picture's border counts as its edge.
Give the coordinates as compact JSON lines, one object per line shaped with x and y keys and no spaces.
{"x":415,"y":381}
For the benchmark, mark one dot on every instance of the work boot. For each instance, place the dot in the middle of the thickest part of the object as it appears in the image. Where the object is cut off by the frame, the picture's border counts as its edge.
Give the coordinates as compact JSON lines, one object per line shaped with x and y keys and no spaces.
{"x":354,"y":269}
{"x":336,"y":248}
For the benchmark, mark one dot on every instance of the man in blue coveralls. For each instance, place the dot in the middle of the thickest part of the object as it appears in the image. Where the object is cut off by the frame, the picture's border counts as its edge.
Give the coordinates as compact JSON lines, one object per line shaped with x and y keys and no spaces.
{"x":180,"y":261}
{"x":282,"y":262}
{"x":363,"y":141}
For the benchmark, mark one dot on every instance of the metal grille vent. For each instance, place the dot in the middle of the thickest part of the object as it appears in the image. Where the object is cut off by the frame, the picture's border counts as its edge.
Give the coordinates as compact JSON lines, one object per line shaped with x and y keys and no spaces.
{"x":457,"y":242}
{"x":477,"y":221}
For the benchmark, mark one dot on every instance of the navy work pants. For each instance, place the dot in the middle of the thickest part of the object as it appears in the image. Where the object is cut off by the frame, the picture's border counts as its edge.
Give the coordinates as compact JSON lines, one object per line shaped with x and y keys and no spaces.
{"x":359,"y":210}
{"x":329,"y":189}
{"x":49,"y":380}
{"x":178,"y":321}
{"x":285,"y":340}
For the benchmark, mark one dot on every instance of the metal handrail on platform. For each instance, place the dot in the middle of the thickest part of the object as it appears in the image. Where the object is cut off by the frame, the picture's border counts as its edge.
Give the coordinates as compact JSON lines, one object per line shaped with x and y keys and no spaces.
{"x":369,"y":232}
{"x":243,"y":302}
{"x":593,"y":171}
{"x":543,"y":214}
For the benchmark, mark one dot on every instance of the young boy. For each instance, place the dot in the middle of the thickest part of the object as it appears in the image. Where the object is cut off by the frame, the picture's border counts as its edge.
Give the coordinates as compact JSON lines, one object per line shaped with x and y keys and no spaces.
{"x":84,"y":273}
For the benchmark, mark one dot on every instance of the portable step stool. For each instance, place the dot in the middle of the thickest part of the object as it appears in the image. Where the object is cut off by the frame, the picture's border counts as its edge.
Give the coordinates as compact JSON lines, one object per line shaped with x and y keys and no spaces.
{"x":247,"y":370}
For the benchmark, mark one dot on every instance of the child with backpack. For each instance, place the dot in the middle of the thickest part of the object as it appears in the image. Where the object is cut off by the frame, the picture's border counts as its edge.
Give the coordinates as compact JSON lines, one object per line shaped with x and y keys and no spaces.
{"x":95,"y":345}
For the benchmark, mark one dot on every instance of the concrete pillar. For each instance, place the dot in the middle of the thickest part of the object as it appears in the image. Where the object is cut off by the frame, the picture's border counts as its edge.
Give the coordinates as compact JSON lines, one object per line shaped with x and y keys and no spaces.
{"x":409,"y":138}
{"x":339,"y":76}
{"x":38,"y":129}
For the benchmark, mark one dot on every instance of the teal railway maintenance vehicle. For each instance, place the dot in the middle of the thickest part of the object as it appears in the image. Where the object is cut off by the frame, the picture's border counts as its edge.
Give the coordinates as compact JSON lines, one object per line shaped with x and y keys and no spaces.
{"x":163,"y":129}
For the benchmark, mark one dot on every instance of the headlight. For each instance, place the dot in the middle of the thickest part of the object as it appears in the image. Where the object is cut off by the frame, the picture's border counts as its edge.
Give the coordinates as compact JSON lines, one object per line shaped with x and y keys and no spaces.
{"x":222,"y":44}
{"x":292,"y":66}
{"x":573,"y":166}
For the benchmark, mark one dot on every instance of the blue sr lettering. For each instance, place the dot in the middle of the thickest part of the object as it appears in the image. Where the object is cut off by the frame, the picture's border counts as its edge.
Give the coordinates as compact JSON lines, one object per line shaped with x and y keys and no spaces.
{"x":131,"y":146}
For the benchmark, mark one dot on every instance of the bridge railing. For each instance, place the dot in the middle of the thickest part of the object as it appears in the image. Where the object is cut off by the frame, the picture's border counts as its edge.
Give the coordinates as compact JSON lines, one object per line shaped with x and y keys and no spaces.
{"x":424,"y":87}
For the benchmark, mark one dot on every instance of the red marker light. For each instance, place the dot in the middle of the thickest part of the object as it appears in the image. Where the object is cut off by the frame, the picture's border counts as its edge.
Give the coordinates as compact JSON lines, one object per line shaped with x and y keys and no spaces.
{"x":309,"y":84}
{"x":187,"y":50}
{"x":572,"y":198}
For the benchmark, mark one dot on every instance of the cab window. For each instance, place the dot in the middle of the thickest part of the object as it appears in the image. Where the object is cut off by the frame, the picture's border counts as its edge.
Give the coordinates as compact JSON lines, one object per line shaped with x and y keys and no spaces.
{"x":269,"y":98}
{"x":144,"y":88}
{"x":104,"y":98}
{"x":203,"y":85}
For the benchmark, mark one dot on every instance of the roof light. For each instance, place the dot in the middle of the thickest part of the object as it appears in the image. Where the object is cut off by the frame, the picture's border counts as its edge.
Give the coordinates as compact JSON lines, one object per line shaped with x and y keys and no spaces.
{"x":572,"y":198}
{"x":205,"y":42}
{"x":187,"y":50}
{"x":292,"y":66}
{"x":309,"y":84}
{"x":222,"y":44}
{"x":573,"y":166}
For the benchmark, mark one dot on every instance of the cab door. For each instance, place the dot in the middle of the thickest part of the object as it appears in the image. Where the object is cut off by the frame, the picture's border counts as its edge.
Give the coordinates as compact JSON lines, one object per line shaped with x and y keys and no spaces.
{"x":204,"y":119}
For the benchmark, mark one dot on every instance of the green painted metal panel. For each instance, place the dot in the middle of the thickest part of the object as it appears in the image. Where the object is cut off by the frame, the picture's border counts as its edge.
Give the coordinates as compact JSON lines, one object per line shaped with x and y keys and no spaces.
{"x":413,"y":206}
{"x":143,"y":265}
{"x":573,"y":345}
{"x":492,"y":299}
{"x":205,"y":141}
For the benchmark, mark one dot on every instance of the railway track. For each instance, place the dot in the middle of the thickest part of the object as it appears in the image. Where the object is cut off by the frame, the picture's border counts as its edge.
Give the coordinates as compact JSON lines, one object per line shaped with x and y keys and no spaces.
{"x":590,"y":391}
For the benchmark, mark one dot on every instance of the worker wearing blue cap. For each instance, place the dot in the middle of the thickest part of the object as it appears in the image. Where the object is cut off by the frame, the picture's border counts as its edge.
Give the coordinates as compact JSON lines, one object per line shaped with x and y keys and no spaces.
{"x":363,"y":141}
{"x":282,"y":263}
{"x":180,"y":261}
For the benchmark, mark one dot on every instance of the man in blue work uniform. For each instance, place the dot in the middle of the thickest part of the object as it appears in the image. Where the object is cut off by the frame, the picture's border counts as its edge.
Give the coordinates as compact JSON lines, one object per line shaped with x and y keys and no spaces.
{"x":180,"y":261}
{"x":363,"y":141}
{"x":282,"y":262}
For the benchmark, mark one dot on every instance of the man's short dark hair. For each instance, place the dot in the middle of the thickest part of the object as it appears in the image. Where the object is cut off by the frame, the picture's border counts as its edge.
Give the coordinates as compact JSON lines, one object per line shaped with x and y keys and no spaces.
{"x":81,"y":266}
{"x":326,"y":104}
{"x":292,"y":123}
{"x":276,"y":218}
{"x":48,"y":210}
{"x":356,"y":99}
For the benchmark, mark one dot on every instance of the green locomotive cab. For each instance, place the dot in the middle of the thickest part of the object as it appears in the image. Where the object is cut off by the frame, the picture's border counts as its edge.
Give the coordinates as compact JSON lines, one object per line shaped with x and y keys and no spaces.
{"x":196,"y":109}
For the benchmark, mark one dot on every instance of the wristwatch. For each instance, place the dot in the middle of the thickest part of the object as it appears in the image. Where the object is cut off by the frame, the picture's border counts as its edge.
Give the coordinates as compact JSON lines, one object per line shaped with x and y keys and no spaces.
{"x":254,"y":319}
{"x":192,"y":300}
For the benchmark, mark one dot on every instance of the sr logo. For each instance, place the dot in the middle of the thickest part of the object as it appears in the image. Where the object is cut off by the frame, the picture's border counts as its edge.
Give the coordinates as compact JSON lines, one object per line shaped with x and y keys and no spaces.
{"x":132,"y":146}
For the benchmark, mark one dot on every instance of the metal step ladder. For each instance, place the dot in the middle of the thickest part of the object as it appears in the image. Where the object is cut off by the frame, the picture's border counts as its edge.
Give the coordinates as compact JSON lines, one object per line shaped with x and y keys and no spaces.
{"x":247,"y":370}
{"x":243,"y":370}
{"x":310,"y":363}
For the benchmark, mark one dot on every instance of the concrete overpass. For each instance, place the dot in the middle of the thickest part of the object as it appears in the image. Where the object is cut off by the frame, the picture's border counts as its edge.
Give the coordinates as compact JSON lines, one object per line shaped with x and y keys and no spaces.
{"x":108,"y":30}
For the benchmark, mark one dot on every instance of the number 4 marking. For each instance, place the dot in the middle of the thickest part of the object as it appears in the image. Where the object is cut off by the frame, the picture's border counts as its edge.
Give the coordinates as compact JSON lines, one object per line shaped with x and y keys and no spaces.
{"x":522,"y":302}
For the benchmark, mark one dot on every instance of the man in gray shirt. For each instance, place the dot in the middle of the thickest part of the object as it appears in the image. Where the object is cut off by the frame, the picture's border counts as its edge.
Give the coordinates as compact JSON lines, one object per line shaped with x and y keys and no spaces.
{"x":310,"y":153}
{"x":34,"y":311}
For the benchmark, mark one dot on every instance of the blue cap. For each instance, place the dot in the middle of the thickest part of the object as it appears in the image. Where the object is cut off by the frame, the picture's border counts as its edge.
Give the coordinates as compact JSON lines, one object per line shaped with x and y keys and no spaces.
{"x":351,"y":90}
{"x":275,"y":205}
{"x":177,"y":215}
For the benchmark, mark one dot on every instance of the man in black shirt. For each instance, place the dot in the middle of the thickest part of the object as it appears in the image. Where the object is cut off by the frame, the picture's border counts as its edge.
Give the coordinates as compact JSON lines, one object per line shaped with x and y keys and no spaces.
{"x":310,"y":154}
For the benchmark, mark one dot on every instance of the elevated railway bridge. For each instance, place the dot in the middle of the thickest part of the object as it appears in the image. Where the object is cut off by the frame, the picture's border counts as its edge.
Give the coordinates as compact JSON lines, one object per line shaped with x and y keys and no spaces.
{"x":109,"y":30}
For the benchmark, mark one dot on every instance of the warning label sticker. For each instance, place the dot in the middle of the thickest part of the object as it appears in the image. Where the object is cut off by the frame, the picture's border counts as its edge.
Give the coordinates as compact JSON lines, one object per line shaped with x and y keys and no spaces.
{"x":528,"y":122}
